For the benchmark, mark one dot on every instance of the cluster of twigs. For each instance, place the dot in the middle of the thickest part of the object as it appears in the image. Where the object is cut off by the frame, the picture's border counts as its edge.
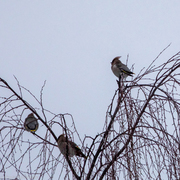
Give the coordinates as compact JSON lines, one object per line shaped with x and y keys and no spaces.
{"x":140,"y":138}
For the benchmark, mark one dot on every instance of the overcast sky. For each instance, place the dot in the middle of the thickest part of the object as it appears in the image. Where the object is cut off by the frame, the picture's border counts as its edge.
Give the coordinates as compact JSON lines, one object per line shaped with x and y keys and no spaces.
{"x":70,"y":44}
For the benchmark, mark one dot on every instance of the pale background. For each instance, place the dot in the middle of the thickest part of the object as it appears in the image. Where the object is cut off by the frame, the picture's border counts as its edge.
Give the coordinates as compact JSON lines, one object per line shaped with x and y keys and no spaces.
{"x":70,"y":44}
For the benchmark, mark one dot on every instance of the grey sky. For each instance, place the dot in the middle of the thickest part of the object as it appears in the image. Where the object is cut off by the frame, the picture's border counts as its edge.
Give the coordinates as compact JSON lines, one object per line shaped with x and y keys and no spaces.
{"x":71,"y":44}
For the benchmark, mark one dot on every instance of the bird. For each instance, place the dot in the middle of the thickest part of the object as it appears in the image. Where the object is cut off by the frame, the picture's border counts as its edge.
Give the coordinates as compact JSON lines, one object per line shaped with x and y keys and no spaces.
{"x":69,"y":148}
{"x":31,"y":123}
{"x":119,"y":69}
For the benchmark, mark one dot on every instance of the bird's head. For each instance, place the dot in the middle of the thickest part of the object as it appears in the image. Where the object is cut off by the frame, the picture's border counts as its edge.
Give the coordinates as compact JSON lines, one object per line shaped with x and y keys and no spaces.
{"x":30,"y":115}
{"x":116,"y":60}
{"x":62,"y":138}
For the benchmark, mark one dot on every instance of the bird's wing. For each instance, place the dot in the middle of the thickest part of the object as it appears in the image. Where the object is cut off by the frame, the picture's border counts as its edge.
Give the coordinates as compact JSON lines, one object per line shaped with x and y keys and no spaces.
{"x":74,"y":145}
{"x":77,"y":149}
{"x":125,"y":69}
{"x":31,"y":126}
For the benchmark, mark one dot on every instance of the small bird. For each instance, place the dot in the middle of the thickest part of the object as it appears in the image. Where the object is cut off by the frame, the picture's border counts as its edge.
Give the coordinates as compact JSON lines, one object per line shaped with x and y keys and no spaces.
{"x":68,"y":147}
{"x":119,"y":69}
{"x":31,"y":123}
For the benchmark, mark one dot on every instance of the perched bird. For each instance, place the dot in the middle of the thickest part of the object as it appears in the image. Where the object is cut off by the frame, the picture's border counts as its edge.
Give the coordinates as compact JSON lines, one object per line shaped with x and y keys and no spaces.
{"x":68,"y":147}
{"x":31,"y":123}
{"x":119,"y":69}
